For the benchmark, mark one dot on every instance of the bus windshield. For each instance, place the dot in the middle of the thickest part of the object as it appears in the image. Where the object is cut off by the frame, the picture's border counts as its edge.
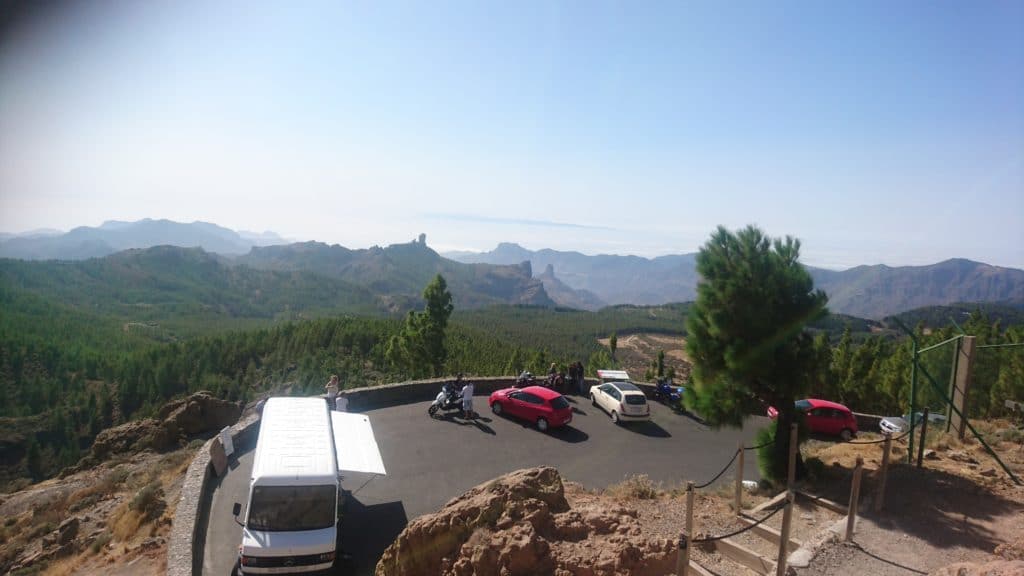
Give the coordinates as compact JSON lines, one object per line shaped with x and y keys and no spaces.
{"x":292,"y":508}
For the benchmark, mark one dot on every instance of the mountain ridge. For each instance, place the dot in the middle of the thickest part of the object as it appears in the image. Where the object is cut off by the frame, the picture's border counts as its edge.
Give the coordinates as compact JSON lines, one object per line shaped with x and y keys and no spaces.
{"x":867,"y":291}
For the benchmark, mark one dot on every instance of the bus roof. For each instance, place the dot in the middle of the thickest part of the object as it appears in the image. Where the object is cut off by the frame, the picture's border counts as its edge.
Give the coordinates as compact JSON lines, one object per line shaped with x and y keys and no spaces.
{"x":295,"y":445}
{"x":621,"y":375}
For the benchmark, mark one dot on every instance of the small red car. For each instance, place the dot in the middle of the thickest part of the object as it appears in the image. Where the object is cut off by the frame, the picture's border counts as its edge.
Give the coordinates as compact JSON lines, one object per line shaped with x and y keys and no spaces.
{"x":542,"y":406}
{"x":824,"y":417}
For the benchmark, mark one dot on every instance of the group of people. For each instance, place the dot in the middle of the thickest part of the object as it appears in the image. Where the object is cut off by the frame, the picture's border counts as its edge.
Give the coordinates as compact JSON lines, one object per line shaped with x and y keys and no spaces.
{"x":334,"y":400}
{"x":574,"y":381}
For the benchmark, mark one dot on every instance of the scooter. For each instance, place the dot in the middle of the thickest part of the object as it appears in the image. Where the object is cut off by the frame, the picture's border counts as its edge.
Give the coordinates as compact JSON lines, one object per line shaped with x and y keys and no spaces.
{"x":668,"y":394}
{"x":447,"y":399}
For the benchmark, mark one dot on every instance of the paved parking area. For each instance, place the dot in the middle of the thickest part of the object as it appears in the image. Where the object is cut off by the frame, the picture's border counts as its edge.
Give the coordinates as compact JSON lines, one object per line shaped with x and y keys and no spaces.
{"x":430,"y":461}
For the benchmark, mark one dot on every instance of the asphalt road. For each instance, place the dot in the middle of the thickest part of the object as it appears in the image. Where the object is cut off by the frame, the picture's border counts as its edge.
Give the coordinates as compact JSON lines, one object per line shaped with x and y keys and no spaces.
{"x":430,"y":461}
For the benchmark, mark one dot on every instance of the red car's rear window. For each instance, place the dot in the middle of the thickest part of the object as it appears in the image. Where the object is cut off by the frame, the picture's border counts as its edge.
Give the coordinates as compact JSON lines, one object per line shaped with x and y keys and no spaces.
{"x":559,"y":403}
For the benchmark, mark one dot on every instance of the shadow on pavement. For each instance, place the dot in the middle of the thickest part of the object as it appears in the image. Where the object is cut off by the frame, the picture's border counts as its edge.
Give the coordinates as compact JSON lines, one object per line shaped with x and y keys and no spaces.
{"x":569,"y":434}
{"x":650,"y":429}
{"x":576,"y":410}
{"x":366,"y":531}
{"x":478,"y":421}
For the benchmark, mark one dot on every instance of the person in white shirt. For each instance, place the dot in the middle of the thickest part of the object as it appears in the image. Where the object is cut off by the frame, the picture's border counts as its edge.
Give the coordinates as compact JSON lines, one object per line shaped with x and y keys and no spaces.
{"x":332,"y":390}
{"x":467,"y":399}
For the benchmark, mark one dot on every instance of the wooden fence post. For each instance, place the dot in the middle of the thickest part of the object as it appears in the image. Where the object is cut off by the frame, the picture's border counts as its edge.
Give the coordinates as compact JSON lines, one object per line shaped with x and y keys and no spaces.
{"x":739,"y":480}
{"x":924,"y":430}
{"x":791,"y":478}
{"x":880,"y":498}
{"x":854,"y":497}
{"x":683,"y":559}
{"x":787,"y":515}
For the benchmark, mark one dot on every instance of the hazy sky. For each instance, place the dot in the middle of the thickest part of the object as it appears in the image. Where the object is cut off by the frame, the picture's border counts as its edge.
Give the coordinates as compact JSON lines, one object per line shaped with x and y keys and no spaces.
{"x":876,"y":132}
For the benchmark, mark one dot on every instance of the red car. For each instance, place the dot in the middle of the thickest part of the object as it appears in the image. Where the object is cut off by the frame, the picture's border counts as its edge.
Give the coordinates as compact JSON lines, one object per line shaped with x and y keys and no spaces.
{"x":824,"y":417}
{"x":542,"y":406}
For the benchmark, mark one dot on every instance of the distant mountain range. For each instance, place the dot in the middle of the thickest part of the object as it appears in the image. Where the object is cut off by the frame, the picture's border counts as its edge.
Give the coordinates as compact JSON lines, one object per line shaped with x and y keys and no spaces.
{"x":864,"y":291}
{"x":114,"y":236}
{"x":394,"y":277}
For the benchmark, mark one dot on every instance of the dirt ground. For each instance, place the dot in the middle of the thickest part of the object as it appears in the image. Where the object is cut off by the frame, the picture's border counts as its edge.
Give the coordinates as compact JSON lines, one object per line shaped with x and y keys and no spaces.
{"x":960,"y":507}
{"x":635,"y":352}
{"x":113,"y":536}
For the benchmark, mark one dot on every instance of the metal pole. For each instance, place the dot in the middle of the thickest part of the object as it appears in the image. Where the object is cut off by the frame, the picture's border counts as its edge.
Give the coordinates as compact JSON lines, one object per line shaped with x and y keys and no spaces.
{"x":851,"y":516}
{"x":880,"y":499}
{"x":683,"y":566}
{"x":913,"y":398}
{"x":787,"y":515}
{"x":913,"y":385}
{"x":791,"y":477}
{"x":924,"y":432}
{"x":739,"y":480}
{"x":952,"y":384}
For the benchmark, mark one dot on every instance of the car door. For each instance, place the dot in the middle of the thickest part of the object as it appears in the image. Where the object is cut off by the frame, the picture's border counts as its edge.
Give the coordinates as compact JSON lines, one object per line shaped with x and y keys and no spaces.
{"x":817,"y":421}
{"x":515,"y":404}
{"x":614,"y":400}
{"x":530,"y":408}
{"x":601,"y":397}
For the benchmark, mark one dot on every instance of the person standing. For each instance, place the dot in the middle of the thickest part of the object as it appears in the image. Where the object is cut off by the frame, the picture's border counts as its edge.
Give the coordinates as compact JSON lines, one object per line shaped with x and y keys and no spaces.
{"x":467,"y":398}
{"x":332,"y":390}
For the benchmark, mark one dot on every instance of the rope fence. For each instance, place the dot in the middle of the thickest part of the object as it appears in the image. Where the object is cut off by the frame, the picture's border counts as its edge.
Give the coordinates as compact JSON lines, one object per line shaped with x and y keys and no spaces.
{"x":740,"y":531}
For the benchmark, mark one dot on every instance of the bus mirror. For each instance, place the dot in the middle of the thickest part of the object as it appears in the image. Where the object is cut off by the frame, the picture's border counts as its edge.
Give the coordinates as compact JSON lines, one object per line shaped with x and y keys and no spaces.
{"x":236,"y":509}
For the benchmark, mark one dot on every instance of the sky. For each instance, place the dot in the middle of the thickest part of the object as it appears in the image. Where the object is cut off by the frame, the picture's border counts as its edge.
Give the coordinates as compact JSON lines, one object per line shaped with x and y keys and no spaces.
{"x":875,"y":132}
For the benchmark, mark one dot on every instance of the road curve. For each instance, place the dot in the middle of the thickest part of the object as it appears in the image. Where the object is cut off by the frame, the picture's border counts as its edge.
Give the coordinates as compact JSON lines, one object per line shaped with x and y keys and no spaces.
{"x":430,"y":461}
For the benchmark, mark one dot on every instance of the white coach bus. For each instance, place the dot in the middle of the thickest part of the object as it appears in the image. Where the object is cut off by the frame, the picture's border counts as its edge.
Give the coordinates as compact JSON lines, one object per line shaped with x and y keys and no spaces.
{"x":291,"y":521}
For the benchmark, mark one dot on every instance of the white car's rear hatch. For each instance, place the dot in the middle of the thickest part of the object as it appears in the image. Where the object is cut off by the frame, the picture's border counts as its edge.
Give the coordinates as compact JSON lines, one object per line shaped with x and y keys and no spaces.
{"x":354,"y":444}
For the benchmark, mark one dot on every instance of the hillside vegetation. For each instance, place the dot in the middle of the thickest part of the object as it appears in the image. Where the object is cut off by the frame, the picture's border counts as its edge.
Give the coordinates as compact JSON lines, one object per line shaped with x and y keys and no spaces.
{"x":89,"y":344}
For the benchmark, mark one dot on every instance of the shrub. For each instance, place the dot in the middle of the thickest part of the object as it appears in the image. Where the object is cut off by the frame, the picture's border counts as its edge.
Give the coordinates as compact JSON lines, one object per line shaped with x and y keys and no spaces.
{"x":100,"y":541}
{"x":637,"y":487}
{"x":766,"y":454}
{"x":149,"y":501}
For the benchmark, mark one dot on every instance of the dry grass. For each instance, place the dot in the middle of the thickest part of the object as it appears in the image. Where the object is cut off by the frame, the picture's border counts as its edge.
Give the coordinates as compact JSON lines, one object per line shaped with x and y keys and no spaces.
{"x":63,"y":567}
{"x":125,"y":522}
{"x":636,"y":487}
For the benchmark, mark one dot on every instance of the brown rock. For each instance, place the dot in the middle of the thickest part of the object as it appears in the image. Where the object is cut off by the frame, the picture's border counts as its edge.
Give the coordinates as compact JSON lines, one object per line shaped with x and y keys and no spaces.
{"x":67,"y":530}
{"x":521,"y":524}
{"x":997,"y":568}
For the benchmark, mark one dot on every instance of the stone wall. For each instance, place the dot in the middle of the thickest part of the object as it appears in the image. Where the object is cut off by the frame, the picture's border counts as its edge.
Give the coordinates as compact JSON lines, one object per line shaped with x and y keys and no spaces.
{"x":184,"y":556}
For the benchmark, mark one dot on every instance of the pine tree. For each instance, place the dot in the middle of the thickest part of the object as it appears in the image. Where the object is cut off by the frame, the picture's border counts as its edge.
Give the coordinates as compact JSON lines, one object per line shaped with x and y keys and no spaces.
{"x":746,"y":330}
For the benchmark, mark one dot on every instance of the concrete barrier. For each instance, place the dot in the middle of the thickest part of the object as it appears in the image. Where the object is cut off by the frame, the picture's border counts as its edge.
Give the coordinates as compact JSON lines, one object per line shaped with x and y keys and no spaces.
{"x":184,"y":548}
{"x":361,"y":399}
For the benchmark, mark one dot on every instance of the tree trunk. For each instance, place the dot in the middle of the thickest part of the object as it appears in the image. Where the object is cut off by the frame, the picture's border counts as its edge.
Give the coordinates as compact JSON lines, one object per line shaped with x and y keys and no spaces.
{"x":780,"y":459}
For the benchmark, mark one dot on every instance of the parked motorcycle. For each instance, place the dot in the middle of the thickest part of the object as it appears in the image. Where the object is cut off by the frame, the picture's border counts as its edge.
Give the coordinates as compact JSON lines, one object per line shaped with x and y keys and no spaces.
{"x":555,"y":382}
{"x":666,"y":393}
{"x":447,"y":399}
{"x":525,"y":379}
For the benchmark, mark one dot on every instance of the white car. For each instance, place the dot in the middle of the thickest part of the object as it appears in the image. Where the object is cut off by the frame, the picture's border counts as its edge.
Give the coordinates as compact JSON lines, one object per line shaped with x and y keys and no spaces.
{"x":898,"y":424}
{"x":622,"y":400}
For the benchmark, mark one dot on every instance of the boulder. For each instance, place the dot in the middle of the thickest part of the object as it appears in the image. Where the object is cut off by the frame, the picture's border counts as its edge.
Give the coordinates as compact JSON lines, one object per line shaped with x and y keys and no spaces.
{"x":521,"y":524}
{"x":177,"y":421}
{"x":67,"y":531}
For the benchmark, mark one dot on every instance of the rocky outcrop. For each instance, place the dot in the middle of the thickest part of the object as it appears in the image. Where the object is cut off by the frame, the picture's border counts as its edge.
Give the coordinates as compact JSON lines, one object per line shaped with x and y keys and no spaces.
{"x":176,"y":422}
{"x":997,"y":568}
{"x":521,"y":524}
